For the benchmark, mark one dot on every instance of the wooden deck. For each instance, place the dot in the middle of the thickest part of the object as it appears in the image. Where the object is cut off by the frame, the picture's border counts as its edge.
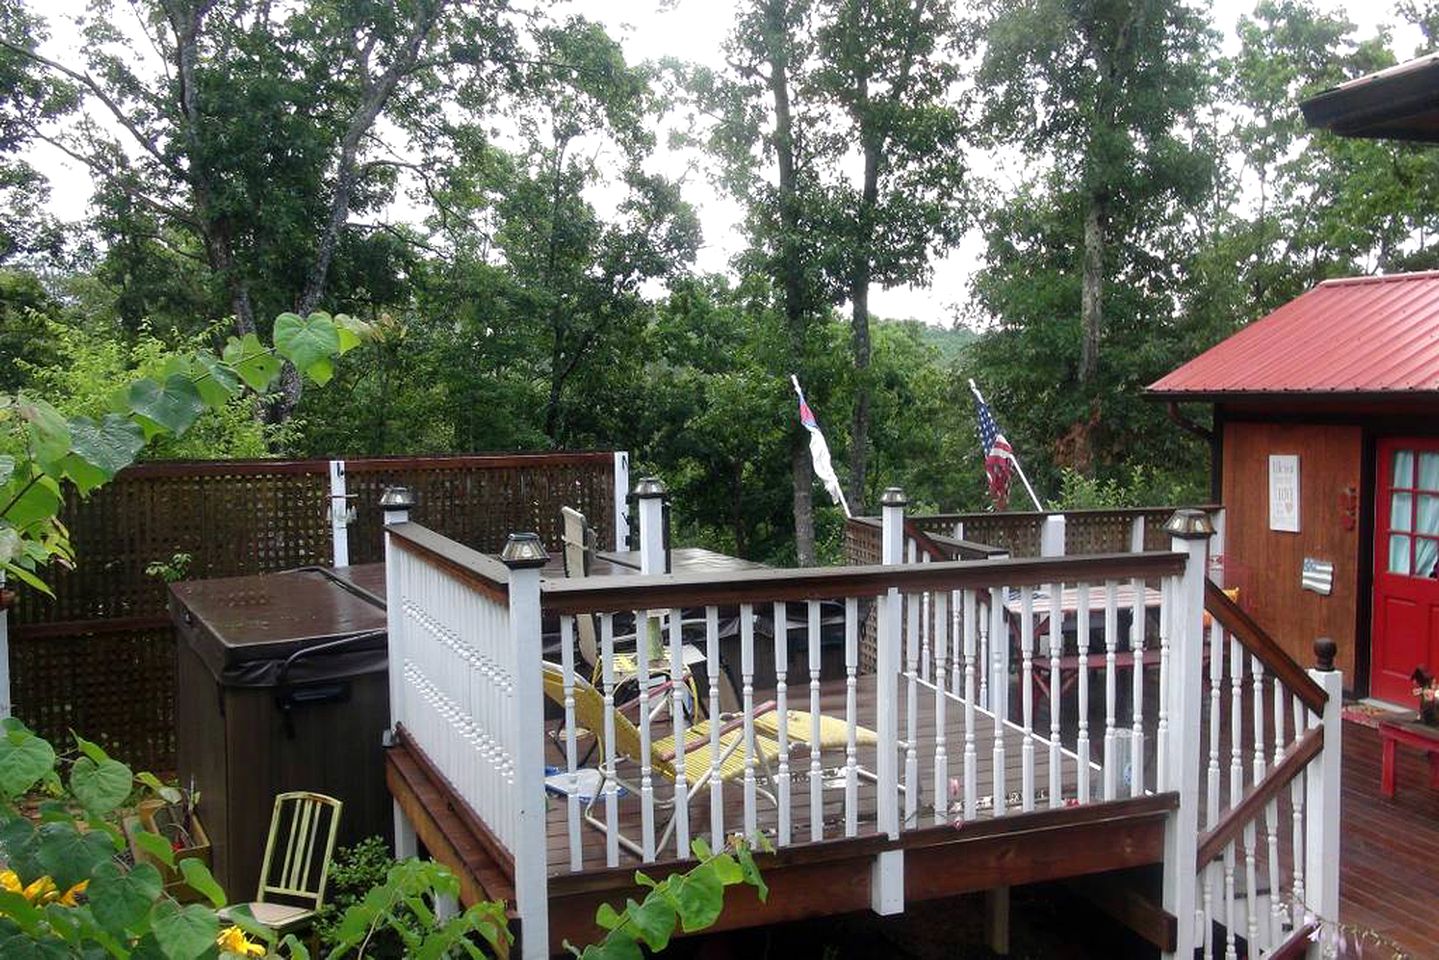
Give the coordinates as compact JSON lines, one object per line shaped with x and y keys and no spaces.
{"x":945,"y":856}
{"x":1390,"y":848}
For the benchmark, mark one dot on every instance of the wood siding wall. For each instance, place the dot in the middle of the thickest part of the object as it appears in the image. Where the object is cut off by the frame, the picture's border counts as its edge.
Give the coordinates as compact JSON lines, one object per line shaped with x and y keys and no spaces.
{"x":1264,"y":564}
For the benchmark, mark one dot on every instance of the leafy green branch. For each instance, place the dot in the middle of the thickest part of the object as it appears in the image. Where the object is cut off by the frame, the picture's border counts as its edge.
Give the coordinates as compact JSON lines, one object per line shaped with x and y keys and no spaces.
{"x":692,"y":900}
{"x":85,"y":453}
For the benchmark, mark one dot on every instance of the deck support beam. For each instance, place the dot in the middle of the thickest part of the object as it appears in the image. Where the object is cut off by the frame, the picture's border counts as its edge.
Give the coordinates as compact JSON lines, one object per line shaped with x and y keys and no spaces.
{"x":996,"y":920}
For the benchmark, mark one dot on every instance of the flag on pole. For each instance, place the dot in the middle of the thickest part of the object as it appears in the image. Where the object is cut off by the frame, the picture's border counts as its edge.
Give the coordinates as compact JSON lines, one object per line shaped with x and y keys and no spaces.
{"x":999,"y":460}
{"x":819,"y":450}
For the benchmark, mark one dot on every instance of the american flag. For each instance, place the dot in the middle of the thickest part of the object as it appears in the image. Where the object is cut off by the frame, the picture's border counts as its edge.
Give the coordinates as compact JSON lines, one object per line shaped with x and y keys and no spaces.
{"x":998,"y":456}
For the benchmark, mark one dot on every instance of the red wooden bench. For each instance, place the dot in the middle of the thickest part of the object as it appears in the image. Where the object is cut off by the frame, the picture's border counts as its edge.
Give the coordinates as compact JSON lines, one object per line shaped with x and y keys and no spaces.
{"x":1411,"y":733}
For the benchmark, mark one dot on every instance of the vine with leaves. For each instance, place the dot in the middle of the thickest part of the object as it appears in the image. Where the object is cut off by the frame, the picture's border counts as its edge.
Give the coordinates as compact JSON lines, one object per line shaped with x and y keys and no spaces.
{"x":51,"y":454}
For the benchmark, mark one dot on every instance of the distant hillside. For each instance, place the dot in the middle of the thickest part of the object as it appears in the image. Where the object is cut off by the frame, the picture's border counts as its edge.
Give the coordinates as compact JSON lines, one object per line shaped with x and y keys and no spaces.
{"x":949,"y":341}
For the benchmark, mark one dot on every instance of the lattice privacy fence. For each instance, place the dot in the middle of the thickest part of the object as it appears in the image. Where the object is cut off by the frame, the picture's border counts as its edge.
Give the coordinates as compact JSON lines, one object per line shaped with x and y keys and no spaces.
{"x":99,"y":658}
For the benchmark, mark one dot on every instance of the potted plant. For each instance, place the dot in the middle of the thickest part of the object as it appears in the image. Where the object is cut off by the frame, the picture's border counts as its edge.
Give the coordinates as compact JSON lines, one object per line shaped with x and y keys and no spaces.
{"x":172,"y":815}
{"x":1426,"y":688}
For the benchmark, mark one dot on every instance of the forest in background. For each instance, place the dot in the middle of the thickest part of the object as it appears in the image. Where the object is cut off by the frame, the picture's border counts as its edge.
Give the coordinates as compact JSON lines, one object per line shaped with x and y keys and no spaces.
{"x":477,"y":181}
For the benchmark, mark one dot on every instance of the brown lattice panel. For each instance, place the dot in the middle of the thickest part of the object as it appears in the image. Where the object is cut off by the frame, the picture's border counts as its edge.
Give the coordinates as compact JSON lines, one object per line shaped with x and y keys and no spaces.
{"x":99,"y":658}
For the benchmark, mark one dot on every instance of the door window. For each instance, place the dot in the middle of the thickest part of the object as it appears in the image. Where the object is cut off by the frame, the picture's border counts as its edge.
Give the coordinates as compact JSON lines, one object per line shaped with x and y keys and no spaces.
{"x":1414,"y":513}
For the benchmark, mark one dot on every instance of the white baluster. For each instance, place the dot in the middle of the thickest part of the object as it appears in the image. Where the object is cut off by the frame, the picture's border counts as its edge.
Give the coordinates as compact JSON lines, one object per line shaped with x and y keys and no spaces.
{"x":1056,"y":647}
{"x":781,"y":695}
{"x":1026,"y":652}
{"x":712,"y":668}
{"x":1111,"y":688}
{"x":816,"y":777}
{"x":751,"y":759}
{"x":1296,"y":805}
{"x":941,"y":698}
{"x":679,"y":728}
{"x":1136,"y":648}
{"x":1257,"y":774}
{"x":971,"y":758}
{"x":572,"y":792}
{"x":1230,"y":920}
{"x":998,"y":698}
{"x":643,"y":652}
{"x":1081,"y":625}
{"x":911,"y":708}
{"x":851,"y":716}
{"x":612,"y":810}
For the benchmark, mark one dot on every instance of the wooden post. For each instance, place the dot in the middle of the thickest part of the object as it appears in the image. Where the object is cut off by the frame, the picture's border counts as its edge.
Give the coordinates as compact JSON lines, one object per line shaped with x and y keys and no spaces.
{"x":525,"y":556}
{"x":887,"y":875}
{"x":396,"y":503}
{"x":1321,"y":805}
{"x":339,"y":515}
{"x":1190,"y":531}
{"x":622,"y":503}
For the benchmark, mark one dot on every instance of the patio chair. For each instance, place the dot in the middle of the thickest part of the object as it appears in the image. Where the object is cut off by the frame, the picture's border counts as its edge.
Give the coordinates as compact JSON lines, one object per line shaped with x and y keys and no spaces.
{"x":589,"y":706}
{"x":578,"y":540}
{"x":300,"y":844}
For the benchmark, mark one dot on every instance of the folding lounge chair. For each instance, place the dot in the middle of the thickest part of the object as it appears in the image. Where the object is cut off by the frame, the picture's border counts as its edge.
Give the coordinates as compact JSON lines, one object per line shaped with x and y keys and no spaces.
{"x":589,"y":706}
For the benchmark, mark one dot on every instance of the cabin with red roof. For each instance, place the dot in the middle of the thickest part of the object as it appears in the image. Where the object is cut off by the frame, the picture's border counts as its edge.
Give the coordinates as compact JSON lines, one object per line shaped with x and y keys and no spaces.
{"x":1326,"y":445}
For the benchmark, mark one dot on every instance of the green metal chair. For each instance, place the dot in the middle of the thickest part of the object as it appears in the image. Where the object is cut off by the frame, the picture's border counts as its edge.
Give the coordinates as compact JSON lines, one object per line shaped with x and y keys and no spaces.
{"x":297,"y":861}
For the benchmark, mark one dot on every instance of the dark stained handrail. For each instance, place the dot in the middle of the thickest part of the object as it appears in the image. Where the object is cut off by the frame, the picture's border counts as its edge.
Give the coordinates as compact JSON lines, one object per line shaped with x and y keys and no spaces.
{"x":1261,"y":645}
{"x":614,"y":594}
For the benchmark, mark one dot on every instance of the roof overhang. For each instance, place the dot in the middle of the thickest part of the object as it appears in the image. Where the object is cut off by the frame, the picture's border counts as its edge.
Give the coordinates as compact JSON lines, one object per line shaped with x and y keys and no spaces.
{"x":1311,"y":397}
{"x":1400,"y":103}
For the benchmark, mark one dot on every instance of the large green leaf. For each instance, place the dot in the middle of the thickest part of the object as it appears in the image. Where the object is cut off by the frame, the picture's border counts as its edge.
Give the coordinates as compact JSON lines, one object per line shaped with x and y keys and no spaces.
{"x":184,"y":933}
{"x":121,"y":900}
{"x":29,"y":502}
{"x":156,"y":846}
{"x":617,"y":946}
{"x":654,"y":920}
{"x":24,"y":759}
{"x":110,"y":445}
{"x":173,"y":405}
{"x":198,"y":876}
{"x":351,"y":331}
{"x":100,"y":787}
{"x":22,"y":946}
{"x":310,"y":343}
{"x":85,"y":476}
{"x":49,"y":434}
{"x":699,"y":898}
{"x":216,"y":383}
{"x":252,"y":362}
{"x":69,"y":855}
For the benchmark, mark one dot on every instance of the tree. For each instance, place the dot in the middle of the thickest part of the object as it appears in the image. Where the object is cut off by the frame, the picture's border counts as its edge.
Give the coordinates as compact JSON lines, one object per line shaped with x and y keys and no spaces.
{"x":889,"y":65}
{"x":1098,"y":96}
{"x":242,"y":136}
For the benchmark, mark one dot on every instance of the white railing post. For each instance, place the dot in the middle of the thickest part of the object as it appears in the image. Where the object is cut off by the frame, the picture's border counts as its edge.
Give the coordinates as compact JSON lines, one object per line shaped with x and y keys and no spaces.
{"x":5,"y":703}
{"x":339,"y":515}
{"x":1190,"y":530}
{"x":887,"y":875}
{"x":396,"y":503}
{"x":1321,"y":805}
{"x":1051,"y":536}
{"x":622,"y":503}
{"x":525,"y":555}
{"x":651,"y":494}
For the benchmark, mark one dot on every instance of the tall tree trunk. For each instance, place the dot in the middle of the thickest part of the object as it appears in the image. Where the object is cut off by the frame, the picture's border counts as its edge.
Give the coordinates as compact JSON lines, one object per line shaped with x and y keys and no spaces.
{"x":1091,"y":302}
{"x":803,"y":504}
{"x":860,"y":342}
{"x":791,"y":267}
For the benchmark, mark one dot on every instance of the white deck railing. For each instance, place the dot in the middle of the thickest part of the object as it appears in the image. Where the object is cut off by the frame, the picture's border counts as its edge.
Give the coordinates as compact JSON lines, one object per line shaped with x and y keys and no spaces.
{"x":926,"y":738}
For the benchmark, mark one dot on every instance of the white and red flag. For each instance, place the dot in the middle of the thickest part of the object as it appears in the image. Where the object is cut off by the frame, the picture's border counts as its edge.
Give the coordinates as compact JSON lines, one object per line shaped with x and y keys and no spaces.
{"x":819,"y":450}
{"x":1000,"y":463}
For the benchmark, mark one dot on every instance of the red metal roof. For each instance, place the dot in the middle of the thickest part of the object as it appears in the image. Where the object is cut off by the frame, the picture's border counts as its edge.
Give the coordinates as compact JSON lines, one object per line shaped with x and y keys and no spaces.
{"x":1362,"y":335}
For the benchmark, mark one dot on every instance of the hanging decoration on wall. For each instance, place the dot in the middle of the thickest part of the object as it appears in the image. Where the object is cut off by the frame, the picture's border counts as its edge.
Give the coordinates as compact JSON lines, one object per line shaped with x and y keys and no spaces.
{"x":1349,"y":507}
{"x":1318,"y":576}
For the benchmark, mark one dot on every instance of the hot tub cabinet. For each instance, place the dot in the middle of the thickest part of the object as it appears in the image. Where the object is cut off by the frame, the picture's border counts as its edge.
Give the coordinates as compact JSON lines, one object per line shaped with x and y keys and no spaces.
{"x":282,"y":685}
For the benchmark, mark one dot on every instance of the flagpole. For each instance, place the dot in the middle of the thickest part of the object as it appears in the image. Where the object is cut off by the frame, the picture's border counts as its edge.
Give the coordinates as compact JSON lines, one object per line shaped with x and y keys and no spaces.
{"x":1013,"y":456}
{"x":842,"y":501}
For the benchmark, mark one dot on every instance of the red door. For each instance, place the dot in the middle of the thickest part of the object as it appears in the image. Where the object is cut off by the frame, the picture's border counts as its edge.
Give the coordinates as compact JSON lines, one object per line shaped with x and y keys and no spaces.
{"x":1406,"y":574}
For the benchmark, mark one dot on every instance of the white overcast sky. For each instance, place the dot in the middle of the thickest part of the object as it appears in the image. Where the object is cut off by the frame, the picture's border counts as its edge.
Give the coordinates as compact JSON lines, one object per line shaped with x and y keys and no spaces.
{"x":693,"y":30}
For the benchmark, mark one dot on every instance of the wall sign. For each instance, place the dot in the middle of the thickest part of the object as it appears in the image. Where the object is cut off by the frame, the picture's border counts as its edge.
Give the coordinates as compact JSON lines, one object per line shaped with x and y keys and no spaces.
{"x":1284,"y":492}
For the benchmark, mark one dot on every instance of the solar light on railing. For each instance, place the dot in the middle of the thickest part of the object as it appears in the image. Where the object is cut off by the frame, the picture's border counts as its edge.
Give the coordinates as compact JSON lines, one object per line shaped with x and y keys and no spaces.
{"x":397,"y":502}
{"x":1189,"y":523}
{"x":524,"y":550}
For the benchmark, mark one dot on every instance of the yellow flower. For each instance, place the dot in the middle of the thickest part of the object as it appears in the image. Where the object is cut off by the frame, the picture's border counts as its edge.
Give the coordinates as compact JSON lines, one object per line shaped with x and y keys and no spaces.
{"x":233,"y":940}
{"x":68,"y":898}
{"x":10,"y":881}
